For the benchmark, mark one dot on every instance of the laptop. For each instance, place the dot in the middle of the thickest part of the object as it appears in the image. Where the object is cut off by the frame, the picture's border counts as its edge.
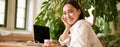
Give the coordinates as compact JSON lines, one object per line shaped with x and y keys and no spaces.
{"x":41,"y":33}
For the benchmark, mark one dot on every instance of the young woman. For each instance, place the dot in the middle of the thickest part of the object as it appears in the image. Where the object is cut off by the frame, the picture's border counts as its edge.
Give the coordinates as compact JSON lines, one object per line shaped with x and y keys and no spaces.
{"x":81,"y":32}
{"x":78,"y":32}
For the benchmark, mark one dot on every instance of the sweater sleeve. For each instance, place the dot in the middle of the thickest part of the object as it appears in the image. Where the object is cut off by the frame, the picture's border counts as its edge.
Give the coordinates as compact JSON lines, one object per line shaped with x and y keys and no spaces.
{"x":66,"y":41}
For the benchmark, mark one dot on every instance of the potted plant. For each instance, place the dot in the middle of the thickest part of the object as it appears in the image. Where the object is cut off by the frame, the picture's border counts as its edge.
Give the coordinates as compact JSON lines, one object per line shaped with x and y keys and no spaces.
{"x":50,"y":16}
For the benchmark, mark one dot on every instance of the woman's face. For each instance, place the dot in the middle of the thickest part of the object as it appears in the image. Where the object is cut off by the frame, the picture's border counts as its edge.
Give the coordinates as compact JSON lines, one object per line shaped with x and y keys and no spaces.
{"x":70,"y":13}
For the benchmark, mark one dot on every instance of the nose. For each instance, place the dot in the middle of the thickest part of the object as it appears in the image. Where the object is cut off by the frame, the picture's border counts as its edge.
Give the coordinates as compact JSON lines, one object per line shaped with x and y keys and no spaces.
{"x":67,"y":16}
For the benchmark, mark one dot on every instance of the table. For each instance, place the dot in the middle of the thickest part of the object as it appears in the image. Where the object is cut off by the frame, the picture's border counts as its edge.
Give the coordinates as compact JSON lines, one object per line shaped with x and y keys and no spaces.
{"x":19,"y":44}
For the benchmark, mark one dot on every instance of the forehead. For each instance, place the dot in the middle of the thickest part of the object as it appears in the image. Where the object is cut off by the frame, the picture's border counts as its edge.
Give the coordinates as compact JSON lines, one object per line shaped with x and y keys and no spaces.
{"x":68,"y":7}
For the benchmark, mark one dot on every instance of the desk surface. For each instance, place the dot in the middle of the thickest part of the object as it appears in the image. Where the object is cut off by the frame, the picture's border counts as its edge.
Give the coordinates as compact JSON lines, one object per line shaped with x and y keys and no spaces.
{"x":19,"y":44}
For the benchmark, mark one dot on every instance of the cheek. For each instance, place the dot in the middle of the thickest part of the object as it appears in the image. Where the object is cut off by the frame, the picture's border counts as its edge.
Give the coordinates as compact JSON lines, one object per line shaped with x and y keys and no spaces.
{"x":72,"y":14}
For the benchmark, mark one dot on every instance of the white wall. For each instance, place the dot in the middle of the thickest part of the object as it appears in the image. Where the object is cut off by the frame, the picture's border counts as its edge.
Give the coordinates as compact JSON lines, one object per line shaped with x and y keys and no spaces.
{"x":34,"y":10}
{"x":30,"y":15}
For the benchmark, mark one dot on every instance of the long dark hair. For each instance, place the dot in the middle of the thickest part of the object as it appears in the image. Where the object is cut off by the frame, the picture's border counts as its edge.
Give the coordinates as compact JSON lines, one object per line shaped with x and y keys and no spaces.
{"x":75,"y":4}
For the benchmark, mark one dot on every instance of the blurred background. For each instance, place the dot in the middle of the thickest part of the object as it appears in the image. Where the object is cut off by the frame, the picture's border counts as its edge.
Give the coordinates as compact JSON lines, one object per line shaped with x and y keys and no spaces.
{"x":18,"y":17}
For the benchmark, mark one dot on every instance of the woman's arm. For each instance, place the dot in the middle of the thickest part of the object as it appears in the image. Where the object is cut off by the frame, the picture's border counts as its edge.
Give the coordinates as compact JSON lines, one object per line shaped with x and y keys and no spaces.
{"x":67,"y":29}
{"x":65,"y":34}
{"x":51,"y":44}
{"x":65,"y":37}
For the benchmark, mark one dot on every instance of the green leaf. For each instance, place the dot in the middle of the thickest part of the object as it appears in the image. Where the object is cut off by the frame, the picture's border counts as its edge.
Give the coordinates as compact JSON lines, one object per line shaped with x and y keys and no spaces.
{"x":46,"y":2}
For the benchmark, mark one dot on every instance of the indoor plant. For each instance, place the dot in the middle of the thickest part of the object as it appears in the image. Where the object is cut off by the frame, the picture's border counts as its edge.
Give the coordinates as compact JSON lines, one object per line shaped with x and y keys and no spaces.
{"x":50,"y":16}
{"x":51,"y":11}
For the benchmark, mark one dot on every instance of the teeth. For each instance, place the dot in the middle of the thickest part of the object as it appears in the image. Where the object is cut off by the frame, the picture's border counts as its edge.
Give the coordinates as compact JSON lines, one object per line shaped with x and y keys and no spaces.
{"x":67,"y":18}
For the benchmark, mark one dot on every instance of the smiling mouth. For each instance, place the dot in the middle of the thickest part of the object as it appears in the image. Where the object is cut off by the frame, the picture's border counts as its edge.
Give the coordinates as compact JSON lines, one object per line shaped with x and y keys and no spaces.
{"x":69,"y":20}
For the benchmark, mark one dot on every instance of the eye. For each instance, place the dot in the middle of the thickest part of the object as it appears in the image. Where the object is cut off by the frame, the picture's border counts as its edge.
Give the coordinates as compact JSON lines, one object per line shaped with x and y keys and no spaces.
{"x":64,"y":13}
{"x":70,"y":11}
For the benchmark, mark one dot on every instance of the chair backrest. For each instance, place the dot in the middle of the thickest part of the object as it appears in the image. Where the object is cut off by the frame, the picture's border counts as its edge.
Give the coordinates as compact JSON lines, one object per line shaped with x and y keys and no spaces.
{"x":41,"y":33}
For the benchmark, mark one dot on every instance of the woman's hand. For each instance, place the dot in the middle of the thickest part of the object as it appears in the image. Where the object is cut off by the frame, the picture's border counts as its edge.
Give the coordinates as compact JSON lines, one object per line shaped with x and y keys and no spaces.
{"x":67,"y":28}
{"x":67,"y":25}
{"x":50,"y":44}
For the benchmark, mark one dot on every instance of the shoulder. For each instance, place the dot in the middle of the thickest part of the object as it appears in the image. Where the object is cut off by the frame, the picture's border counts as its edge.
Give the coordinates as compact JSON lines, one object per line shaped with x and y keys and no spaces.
{"x":83,"y":22}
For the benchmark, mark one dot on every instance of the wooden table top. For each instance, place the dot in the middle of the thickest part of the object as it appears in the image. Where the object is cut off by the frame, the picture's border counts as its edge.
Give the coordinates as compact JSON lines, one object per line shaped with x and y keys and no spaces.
{"x":19,"y":44}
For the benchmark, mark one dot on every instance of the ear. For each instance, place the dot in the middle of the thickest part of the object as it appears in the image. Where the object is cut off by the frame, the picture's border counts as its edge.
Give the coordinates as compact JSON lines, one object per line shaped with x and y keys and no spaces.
{"x":79,"y":12}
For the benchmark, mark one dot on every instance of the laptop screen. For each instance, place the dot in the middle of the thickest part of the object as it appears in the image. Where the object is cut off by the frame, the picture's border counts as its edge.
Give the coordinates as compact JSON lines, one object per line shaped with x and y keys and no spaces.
{"x":41,"y":33}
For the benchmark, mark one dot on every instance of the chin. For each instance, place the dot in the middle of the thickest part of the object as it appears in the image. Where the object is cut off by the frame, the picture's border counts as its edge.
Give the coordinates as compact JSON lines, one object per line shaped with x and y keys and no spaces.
{"x":71,"y":23}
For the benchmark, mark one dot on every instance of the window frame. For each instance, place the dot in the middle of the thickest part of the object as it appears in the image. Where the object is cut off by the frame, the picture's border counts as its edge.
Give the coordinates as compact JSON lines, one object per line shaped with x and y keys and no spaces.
{"x":5,"y":18}
{"x":16,"y":7}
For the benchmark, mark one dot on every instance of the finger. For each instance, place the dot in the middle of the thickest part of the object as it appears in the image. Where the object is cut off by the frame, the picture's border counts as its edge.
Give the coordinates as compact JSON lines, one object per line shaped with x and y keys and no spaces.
{"x":46,"y":46}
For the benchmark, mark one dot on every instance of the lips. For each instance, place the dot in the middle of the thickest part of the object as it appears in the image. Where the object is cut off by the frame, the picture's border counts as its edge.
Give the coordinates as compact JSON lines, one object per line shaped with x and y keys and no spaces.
{"x":69,"y":19}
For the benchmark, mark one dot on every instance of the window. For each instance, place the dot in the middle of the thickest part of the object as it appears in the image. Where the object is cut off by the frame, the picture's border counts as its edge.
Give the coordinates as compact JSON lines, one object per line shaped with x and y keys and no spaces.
{"x":20,"y":21}
{"x":17,"y":15}
{"x":3,"y":13}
